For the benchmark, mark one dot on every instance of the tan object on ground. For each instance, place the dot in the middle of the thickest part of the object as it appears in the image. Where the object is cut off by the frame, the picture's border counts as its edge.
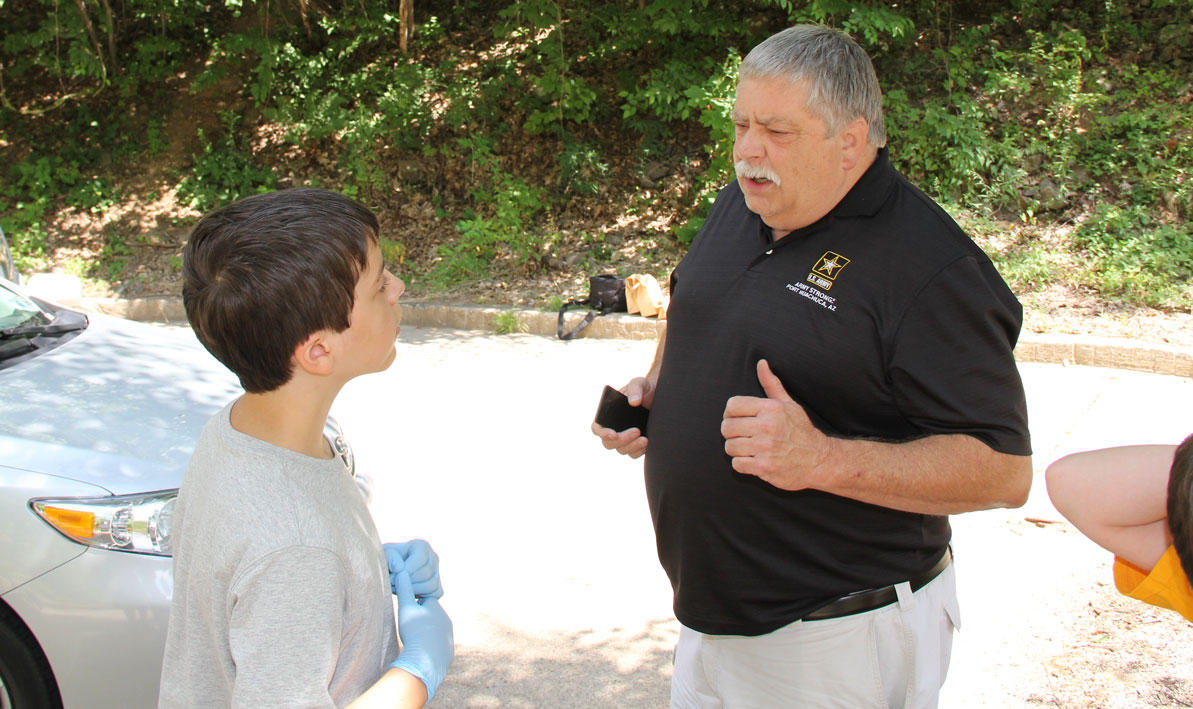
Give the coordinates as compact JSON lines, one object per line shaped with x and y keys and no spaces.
{"x":644,"y":295}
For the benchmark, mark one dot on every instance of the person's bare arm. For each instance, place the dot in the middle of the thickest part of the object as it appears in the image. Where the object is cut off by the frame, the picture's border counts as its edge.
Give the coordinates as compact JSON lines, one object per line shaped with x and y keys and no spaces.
{"x":640,"y":392}
{"x":397,"y":689}
{"x":773,"y":439}
{"x":1118,"y":498}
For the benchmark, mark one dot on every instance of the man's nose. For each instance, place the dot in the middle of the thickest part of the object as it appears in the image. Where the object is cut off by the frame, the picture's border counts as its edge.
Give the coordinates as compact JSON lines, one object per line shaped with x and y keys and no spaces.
{"x":747,"y":145}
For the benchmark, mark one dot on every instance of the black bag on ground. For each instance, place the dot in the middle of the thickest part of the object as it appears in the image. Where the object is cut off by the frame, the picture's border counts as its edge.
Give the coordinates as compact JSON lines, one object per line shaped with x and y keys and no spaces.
{"x":606,"y":294}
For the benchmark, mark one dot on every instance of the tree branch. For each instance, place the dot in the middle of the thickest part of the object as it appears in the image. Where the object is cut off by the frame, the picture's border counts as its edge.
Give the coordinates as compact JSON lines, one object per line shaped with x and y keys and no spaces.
{"x":99,"y":52}
{"x":111,"y":36}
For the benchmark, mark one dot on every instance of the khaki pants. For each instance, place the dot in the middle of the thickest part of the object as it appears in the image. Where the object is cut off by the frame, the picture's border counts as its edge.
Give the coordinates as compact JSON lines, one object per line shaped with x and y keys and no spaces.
{"x":895,"y":656}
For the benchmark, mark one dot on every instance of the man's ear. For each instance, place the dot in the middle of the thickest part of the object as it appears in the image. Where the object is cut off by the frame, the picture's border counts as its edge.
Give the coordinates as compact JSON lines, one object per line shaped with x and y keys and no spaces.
{"x":314,"y":354}
{"x":855,"y":142}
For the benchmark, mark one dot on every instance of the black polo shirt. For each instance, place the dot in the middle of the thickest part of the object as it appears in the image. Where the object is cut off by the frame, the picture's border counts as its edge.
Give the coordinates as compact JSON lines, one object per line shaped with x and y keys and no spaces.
{"x":884,"y":320}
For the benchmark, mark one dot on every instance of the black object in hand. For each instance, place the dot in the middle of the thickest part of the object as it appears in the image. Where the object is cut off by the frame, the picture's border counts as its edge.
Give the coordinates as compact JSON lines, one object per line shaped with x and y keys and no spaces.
{"x":615,"y":412}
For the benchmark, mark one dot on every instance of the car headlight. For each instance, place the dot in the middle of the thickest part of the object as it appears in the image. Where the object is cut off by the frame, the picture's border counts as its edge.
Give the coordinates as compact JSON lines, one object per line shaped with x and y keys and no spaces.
{"x":137,"y":523}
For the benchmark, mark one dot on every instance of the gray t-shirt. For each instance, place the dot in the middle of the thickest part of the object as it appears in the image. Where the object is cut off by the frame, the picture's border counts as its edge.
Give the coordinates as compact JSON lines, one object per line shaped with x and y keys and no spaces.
{"x":281,"y":590}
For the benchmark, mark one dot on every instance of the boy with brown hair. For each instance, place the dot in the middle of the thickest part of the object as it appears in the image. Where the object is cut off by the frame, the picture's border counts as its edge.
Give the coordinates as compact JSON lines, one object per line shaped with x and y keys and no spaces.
{"x":282,"y":588}
{"x":1137,"y":502}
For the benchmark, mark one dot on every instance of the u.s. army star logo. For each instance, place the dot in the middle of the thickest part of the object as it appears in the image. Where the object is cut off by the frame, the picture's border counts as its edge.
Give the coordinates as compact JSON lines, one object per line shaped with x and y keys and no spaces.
{"x":830,"y":265}
{"x":826,"y":269}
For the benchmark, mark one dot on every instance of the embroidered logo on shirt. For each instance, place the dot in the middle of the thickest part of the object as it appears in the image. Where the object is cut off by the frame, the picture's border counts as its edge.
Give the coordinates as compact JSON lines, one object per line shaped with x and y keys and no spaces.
{"x":826,"y":269}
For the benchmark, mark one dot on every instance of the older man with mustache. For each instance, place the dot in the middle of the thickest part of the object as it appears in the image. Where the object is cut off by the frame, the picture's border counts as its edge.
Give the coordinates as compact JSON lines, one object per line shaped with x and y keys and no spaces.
{"x":836,"y":379}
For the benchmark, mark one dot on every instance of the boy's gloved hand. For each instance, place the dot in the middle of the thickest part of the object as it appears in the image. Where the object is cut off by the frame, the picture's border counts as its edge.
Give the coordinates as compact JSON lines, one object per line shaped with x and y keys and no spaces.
{"x":420,"y":561}
{"x":428,"y":647}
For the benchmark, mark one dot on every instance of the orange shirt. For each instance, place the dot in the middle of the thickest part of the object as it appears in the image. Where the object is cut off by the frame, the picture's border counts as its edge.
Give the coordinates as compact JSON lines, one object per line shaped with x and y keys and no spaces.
{"x":1165,"y":586}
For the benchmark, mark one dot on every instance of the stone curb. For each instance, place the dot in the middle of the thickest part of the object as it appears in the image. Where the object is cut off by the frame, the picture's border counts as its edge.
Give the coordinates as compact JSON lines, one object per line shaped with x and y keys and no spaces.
{"x":1114,"y":353}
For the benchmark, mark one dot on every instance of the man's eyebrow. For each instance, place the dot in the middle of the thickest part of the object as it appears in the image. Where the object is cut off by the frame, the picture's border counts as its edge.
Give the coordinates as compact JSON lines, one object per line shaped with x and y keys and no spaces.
{"x":778,"y":122}
{"x":769,"y":121}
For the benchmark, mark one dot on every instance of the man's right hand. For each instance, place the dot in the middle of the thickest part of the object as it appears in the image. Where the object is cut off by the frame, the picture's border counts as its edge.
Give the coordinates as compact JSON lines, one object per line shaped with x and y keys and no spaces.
{"x":640,"y":392}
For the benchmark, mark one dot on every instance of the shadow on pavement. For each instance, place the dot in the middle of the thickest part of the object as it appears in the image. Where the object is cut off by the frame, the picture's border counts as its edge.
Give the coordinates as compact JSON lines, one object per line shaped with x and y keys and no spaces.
{"x":562,"y":670}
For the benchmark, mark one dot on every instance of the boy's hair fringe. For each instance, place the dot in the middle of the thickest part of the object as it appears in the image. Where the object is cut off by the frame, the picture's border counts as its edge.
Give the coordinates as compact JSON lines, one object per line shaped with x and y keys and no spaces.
{"x":1180,"y":504}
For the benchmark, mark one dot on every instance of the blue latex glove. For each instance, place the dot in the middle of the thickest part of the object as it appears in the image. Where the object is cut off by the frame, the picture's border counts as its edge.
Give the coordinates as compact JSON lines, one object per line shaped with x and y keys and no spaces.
{"x":428,"y":647}
{"x":420,"y":561}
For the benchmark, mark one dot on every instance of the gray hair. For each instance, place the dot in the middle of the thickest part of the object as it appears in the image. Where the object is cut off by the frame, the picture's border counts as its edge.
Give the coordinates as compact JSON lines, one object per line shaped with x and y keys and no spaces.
{"x":841,"y":80}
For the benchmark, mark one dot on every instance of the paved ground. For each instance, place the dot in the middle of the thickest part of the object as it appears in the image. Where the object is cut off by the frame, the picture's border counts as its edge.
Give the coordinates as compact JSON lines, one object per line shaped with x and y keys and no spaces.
{"x":480,"y":444}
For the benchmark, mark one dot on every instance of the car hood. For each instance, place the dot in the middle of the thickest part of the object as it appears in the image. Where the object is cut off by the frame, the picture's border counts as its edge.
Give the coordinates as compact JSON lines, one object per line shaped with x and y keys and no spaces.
{"x":119,"y":406}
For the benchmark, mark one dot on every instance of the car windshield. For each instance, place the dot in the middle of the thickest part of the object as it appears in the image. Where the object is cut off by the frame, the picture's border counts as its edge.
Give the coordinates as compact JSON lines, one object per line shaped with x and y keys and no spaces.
{"x":16,"y":310}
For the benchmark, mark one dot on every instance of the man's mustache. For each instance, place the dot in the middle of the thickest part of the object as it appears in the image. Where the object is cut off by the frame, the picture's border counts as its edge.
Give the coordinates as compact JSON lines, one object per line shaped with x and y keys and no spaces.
{"x":756,"y":172}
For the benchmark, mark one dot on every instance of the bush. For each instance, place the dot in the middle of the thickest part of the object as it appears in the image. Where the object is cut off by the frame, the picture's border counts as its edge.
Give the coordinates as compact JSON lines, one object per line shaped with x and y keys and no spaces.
{"x":515,"y":116}
{"x":1137,"y":259}
{"x":225,"y":170}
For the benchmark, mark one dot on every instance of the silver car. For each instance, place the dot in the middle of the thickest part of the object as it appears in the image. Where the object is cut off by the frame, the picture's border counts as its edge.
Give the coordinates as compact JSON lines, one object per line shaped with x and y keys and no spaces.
{"x":98,"y":417}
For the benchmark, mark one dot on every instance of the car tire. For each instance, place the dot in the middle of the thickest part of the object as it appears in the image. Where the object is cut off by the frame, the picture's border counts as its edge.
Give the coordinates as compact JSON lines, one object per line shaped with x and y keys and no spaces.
{"x":26,"y":681}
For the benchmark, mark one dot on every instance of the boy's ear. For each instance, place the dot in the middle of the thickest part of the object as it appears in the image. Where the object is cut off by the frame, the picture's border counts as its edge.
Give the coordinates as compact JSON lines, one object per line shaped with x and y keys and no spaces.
{"x":314,"y":354}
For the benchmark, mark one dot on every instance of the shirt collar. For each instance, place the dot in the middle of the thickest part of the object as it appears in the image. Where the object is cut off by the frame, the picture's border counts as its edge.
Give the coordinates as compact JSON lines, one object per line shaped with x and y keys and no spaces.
{"x":870,"y":192}
{"x":864,"y":199}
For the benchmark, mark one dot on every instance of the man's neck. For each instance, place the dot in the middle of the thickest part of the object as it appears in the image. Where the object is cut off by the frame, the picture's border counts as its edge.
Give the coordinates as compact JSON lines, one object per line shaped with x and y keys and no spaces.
{"x":285,"y":418}
{"x":851,"y":179}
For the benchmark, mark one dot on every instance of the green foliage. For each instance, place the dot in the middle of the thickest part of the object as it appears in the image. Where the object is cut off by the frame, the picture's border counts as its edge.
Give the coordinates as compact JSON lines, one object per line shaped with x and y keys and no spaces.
{"x":393,"y":252}
{"x":154,"y":142}
{"x":1137,"y":259}
{"x":877,"y":25}
{"x":513,"y":113}
{"x":497,"y":226}
{"x":85,"y":48}
{"x":1030,"y":266}
{"x":54,"y":40}
{"x":504,"y":232}
{"x":581,"y":169}
{"x":225,"y":170}
{"x":95,"y":196}
{"x":113,"y":258}
{"x":351,"y":95}
{"x":700,"y":88}
{"x":507,"y":322}
{"x":25,"y":200}
{"x":27,"y":238}
{"x":76,"y":266}
{"x":1138,"y":145}
{"x":556,"y":94}
{"x":687,"y":231}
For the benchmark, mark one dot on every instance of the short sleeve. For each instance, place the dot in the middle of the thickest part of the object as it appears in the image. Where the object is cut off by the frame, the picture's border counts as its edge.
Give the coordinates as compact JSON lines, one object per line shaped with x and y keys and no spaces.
{"x":285,"y":625}
{"x":952,"y":365}
{"x":1127,"y":577}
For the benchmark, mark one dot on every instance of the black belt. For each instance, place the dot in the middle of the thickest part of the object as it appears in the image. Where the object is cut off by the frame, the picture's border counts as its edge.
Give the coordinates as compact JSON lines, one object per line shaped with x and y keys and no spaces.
{"x":864,"y":601}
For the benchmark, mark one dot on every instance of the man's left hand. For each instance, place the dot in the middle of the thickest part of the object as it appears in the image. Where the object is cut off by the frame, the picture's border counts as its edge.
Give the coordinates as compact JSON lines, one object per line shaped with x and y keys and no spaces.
{"x":773,"y":438}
